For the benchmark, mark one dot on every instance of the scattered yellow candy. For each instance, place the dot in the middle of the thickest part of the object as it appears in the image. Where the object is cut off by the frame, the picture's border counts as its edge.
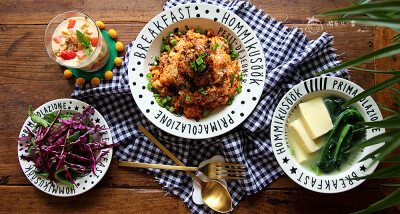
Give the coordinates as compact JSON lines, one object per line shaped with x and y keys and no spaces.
{"x":119,"y":46}
{"x":80,"y":81}
{"x":108,"y":75}
{"x":67,"y":73}
{"x":100,"y":24}
{"x":95,"y":81}
{"x":113,"y":33}
{"x":118,"y":61}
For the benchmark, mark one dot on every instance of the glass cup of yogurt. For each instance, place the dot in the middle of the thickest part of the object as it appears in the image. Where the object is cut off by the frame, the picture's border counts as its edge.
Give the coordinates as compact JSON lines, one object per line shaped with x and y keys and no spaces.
{"x":73,"y":39}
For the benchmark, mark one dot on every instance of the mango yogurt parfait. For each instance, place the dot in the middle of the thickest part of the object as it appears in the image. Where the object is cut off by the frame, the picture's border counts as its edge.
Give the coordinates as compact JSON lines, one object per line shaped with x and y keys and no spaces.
{"x":73,"y":40}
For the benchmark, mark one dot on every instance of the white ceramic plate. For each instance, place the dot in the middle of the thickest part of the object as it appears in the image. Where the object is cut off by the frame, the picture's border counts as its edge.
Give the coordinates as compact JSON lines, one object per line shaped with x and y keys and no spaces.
{"x":336,"y":181}
{"x":83,"y":183}
{"x":223,"y":23}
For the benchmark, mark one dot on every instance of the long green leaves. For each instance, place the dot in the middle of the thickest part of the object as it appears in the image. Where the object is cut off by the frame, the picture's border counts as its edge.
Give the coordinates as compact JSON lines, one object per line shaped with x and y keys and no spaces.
{"x":381,"y":53}
{"x":374,"y":89}
{"x":386,"y":14}
{"x":391,"y":200}
{"x":373,"y":7}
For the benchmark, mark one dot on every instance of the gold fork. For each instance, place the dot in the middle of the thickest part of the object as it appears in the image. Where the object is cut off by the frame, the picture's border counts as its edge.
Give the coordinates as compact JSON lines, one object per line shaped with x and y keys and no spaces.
{"x":213,"y":170}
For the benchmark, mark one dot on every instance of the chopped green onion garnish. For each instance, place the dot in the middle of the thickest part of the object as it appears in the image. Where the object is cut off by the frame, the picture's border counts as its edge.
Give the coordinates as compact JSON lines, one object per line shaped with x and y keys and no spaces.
{"x":164,"y":101}
{"x":162,"y":49}
{"x":155,"y":63}
{"x":201,"y":90}
{"x":199,"y":61}
{"x":157,"y":95}
{"x":225,"y":40}
{"x":171,"y":109}
{"x":174,"y":42}
{"x":198,"y":31}
{"x":156,"y":58}
{"x":167,"y":47}
{"x":231,"y":99}
{"x":149,"y":85}
{"x":149,"y":75}
{"x":187,"y":98}
{"x":234,"y":55}
{"x":171,"y":34}
{"x":179,"y":33}
{"x":239,"y":90}
{"x":215,"y":46}
{"x":233,"y":78}
{"x":193,"y":66}
{"x":202,"y":67}
{"x":202,"y":54}
{"x":168,"y":98}
{"x":164,"y":41}
{"x":240,"y":76}
{"x":206,"y":113}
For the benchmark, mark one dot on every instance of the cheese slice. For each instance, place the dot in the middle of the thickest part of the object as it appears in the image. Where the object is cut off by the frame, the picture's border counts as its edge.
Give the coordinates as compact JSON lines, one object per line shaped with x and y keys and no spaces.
{"x":302,"y":137}
{"x":316,"y":117}
{"x":299,"y":153}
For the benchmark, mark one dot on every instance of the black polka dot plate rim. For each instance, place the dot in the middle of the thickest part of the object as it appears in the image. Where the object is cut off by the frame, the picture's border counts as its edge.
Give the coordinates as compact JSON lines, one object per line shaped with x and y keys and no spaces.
{"x":305,"y":174}
{"x":82,"y":184}
{"x":203,"y":17}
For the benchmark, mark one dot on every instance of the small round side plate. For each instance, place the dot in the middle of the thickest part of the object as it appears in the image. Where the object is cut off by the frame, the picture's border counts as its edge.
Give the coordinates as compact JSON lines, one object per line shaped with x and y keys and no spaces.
{"x":83,"y":183}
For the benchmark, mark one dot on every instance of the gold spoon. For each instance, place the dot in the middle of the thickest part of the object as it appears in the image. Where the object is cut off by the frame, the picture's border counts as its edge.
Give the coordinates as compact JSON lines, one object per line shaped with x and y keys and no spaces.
{"x":213,"y":193}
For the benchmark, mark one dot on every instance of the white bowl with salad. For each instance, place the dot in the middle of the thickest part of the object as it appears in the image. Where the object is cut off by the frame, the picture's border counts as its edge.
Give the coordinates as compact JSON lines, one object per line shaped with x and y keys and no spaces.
{"x":64,"y":147}
{"x":311,"y":134}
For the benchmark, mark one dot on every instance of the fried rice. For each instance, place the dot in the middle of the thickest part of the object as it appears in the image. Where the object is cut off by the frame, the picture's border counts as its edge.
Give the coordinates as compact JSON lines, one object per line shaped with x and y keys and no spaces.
{"x":195,"y":73}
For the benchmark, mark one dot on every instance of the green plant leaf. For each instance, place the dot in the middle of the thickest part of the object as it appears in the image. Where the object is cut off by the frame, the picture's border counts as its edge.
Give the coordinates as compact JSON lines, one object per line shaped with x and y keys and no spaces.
{"x":87,"y":50}
{"x":393,"y":123}
{"x":394,"y":116}
{"x":395,"y":90}
{"x":82,"y":38}
{"x":374,"y":140}
{"x":374,"y":71}
{"x":391,"y":200}
{"x":384,"y":150}
{"x":381,"y":53}
{"x":388,"y":172}
{"x":362,"y":8}
{"x":389,"y":185}
{"x":395,"y":158}
{"x":386,"y":108}
{"x":373,"y":89}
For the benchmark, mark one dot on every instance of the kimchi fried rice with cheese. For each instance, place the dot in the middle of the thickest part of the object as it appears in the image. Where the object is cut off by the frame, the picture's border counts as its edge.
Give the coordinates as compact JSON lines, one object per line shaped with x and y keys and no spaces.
{"x":195,"y":73}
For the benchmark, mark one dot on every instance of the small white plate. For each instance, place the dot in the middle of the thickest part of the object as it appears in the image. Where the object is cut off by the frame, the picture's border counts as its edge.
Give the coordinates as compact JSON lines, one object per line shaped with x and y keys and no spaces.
{"x":336,"y":181}
{"x":223,"y":23}
{"x":83,"y":183}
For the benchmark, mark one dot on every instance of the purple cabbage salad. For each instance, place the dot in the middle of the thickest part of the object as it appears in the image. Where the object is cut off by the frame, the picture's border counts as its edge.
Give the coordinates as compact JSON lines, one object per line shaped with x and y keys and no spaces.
{"x":64,"y":146}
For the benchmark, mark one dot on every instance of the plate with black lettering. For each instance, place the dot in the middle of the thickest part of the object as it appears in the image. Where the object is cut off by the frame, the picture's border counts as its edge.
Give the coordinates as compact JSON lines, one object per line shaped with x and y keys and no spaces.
{"x":82,"y":184}
{"x":202,"y":17}
{"x":302,"y":160}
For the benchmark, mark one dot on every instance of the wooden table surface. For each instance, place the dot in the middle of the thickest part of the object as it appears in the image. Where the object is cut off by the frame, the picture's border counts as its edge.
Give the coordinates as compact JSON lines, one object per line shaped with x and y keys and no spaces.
{"x":29,"y":76}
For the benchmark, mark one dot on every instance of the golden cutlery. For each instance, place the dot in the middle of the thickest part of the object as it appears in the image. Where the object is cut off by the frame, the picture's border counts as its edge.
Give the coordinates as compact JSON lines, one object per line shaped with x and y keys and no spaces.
{"x":213,"y":170}
{"x":213,"y":193}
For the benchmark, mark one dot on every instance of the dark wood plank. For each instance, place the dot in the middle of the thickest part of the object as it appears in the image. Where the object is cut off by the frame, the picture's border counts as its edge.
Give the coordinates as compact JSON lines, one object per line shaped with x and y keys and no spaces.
{"x":138,"y":200}
{"x":126,"y":11}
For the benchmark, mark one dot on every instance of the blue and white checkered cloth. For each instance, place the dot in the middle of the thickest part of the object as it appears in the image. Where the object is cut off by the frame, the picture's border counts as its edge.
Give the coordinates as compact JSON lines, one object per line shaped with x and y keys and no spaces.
{"x":290,"y":58}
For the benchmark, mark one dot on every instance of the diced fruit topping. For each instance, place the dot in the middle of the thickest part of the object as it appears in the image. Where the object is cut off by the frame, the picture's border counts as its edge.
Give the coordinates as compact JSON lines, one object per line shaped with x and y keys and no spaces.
{"x":57,"y":39}
{"x":74,"y":39}
{"x":71,"y":23}
{"x":93,"y":41}
{"x":67,"y":55}
{"x":80,"y":54}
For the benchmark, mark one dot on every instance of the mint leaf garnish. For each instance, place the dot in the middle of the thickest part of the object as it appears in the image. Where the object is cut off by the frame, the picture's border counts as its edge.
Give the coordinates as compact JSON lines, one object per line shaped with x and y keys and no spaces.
{"x":84,"y":41}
